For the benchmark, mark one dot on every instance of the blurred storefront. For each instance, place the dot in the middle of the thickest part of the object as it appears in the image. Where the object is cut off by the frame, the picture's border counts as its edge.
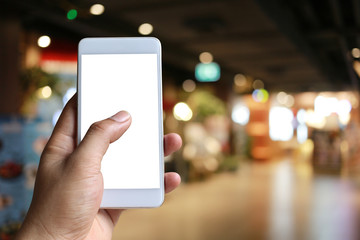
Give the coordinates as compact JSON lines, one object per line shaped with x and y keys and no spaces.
{"x":220,"y":131}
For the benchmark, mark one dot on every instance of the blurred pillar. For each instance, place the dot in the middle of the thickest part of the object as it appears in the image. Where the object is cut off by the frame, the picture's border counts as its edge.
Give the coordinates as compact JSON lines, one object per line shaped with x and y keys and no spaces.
{"x":10,"y":89}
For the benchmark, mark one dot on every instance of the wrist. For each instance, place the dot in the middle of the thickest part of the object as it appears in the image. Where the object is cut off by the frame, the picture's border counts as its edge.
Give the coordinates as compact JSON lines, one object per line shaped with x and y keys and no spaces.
{"x":31,"y":230}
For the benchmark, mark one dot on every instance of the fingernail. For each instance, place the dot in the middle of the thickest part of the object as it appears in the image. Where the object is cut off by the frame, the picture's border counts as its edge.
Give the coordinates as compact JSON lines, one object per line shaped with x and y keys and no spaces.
{"x":121,"y":116}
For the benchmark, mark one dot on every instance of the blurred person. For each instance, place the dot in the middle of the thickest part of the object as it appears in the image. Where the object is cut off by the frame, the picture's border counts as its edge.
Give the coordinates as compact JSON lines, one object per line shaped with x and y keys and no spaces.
{"x":69,"y":183}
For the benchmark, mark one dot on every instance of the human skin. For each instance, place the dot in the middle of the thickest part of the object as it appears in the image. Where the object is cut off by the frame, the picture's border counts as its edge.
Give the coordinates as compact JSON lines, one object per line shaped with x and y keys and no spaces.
{"x":69,"y":183}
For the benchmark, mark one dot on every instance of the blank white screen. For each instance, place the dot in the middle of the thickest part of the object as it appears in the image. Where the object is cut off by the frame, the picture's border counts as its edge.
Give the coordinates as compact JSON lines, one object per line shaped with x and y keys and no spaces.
{"x":115,"y":82}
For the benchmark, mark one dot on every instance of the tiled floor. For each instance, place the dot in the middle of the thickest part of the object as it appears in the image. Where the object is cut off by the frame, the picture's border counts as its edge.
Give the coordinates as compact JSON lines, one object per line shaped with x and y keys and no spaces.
{"x":281,"y":200}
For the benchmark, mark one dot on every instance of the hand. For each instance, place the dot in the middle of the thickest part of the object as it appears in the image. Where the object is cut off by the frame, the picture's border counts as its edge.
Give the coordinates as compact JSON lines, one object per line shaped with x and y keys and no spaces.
{"x":69,"y":184}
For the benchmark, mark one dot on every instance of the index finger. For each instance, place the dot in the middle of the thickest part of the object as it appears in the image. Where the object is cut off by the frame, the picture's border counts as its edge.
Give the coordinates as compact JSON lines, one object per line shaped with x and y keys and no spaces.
{"x":63,"y":138}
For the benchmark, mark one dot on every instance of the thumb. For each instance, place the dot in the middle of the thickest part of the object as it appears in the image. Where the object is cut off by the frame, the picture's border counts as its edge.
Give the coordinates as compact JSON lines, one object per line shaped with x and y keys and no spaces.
{"x":98,"y":138}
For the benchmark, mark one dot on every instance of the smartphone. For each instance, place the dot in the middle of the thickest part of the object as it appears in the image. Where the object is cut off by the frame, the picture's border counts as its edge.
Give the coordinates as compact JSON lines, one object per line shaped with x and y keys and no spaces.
{"x":117,"y":74}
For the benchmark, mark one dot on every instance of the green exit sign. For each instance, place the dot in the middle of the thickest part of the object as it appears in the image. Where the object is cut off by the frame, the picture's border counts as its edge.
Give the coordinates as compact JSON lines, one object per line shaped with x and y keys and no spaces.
{"x":207,"y":72}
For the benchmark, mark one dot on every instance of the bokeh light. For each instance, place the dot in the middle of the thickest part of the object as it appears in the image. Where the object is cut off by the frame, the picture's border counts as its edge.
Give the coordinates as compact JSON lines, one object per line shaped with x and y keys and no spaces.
{"x":206,"y":57}
{"x":189,"y":85}
{"x":190,"y":151}
{"x":280,"y":122}
{"x":285,"y":99}
{"x":301,"y":116}
{"x":344,"y":119}
{"x":240,"y":80}
{"x":145,"y":29}
{"x":44,"y":92}
{"x":258,"y":84}
{"x":207,"y":72}
{"x":314,"y":119}
{"x":355,"y":52}
{"x":260,"y":95}
{"x":182,"y":112}
{"x":281,"y":97}
{"x":290,"y":101}
{"x":302,"y":133}
{"x":44,"y":41}
{"x":328,"y":105}
{"x":71,"y":14}
{"x":212,"y":145}
{"x":240,"y":114}
{"x":343,"y":107}
{"x":97,"y":9}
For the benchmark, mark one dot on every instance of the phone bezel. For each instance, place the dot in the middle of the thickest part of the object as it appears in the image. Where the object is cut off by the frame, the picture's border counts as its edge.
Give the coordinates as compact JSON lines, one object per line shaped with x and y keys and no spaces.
{"x":127,"y":198}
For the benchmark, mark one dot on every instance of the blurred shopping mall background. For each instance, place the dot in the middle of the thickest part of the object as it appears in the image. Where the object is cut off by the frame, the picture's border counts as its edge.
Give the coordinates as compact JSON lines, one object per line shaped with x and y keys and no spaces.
{"x":265,"y":94}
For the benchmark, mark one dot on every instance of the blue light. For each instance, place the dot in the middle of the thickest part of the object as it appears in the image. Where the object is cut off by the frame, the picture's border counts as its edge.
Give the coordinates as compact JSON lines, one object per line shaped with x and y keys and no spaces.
{"x":207,"y":72}
{"x":302,"y":133}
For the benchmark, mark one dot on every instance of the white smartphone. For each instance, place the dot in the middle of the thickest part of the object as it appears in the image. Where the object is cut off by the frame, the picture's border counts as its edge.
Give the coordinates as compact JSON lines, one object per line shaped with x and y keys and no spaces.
{"x":117,"y":74}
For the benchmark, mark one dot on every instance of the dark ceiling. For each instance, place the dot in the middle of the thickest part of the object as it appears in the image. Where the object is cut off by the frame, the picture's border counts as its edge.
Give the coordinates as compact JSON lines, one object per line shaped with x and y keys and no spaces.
{"x":292,"y":46}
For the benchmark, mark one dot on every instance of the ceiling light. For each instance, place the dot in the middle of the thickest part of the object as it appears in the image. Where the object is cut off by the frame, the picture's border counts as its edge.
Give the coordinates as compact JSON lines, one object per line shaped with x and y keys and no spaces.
{"x":281,"y":97}
{"x":355,"y":52}
{"x":207,"y":72}
{"x":44,"y":41}
{"x":240,"y":80}
{"x":71,"y":14}
{"x":258,"y":84}
{"x":182,"y":112}
{"x":189,"y":85}
{"x":206,"y":57}
{"x":145,"y":29}
{"x":97,"y":9}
